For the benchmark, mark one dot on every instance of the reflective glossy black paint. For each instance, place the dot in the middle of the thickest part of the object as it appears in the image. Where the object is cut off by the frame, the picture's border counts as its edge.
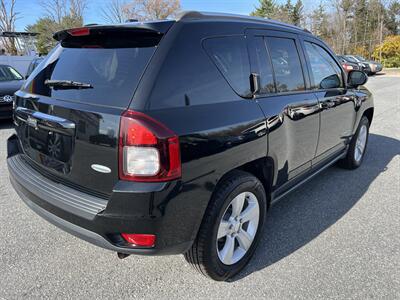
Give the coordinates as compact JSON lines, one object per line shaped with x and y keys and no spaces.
{"x":291,"y":134}
{"x":79,"y":147}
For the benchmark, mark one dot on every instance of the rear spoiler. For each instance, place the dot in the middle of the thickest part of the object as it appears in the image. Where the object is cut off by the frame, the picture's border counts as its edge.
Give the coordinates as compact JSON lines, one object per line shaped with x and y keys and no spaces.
{"x":159,"y":27}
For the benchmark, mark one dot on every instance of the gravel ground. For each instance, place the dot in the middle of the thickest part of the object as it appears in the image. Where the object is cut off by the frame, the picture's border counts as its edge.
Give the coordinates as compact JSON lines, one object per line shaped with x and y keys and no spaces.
{"x":335,"y":237}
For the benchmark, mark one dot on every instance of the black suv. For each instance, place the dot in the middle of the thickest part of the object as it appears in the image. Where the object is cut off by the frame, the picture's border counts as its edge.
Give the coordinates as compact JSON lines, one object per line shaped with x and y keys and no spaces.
{"x":175,"y":137}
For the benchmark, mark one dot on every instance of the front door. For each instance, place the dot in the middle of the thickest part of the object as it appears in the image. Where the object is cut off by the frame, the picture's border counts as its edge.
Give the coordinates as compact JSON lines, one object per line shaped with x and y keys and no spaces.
{"x":336,"y":102}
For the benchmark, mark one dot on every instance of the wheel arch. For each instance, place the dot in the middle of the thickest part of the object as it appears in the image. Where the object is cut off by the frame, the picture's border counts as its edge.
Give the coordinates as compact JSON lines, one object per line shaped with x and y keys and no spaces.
{"x":261,"y":168}
{"x":369,"y":113}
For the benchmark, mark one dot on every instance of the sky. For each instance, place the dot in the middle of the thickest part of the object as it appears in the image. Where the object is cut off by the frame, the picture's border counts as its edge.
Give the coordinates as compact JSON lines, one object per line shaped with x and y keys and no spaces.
{"x":30,"y":10}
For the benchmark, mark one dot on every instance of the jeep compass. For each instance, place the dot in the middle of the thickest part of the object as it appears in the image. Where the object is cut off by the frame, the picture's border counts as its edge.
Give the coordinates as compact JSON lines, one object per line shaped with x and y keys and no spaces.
{"x":175,"y":137}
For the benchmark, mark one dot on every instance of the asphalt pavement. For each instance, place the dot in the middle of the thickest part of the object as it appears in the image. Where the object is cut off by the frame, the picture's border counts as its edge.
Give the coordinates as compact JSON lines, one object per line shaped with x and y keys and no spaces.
{"x":337,"y":237}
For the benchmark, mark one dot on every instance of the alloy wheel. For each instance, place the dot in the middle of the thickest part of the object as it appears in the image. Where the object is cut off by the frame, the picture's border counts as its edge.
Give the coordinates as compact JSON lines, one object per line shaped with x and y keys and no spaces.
{"x":360,"y":143}
{"x":238,"y":228}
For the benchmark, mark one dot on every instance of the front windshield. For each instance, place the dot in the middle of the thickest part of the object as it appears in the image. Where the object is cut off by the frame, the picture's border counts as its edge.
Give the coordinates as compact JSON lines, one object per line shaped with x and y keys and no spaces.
{"x":8,"y":73}
{"x":360,"y":58}
{"x":350,"y":59}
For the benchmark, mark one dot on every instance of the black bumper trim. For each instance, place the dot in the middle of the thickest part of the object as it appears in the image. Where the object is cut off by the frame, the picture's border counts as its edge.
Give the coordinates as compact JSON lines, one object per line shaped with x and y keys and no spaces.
{"x":75,"y":202}
{"x":78,"y":231}
{"x":96,"y":228}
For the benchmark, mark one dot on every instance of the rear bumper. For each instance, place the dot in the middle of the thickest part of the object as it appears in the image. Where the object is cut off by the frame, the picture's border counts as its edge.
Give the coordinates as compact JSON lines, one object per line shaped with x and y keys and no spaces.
{"x":76,"y":230}
{"x":100,"y":221}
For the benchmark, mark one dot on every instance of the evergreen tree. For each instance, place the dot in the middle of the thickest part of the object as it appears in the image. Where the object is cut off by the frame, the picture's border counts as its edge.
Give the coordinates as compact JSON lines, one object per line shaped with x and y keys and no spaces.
{"x":284,"y":12}
{"x":360,"y":24}
{"x":393,"y":18}
{"x":297,"y":13}
{"x":348,"y":26}
{"x":266,"y":9}
{"x":46,"y":28}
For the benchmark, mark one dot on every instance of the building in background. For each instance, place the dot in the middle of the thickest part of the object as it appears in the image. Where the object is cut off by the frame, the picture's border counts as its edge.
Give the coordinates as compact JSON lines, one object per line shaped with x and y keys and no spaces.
{"x":26,"y":50}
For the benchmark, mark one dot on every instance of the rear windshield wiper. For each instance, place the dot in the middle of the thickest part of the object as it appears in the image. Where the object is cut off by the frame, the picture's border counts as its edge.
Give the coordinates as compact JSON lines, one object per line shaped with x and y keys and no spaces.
{"x":67,"y":84}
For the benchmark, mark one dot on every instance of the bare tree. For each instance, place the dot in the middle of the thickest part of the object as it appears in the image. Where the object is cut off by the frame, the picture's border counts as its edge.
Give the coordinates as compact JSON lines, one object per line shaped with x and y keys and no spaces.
{"x":115,"y":12}
{"x":156,"y":9}
{"x":77,"y":8}
{"x":119,"y":10}
{"x":58,"y":15}
{"x":342,"y":16}
{"x":54,"y":9}
{"x":57,"y":10}
{"x":8,"y":16}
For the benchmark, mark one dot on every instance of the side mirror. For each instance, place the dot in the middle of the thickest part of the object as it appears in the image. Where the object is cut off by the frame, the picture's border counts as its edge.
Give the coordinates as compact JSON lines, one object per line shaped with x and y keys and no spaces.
{"x":254,"y":83}
{"x":330,"y":82}
{"x":356,"y":78}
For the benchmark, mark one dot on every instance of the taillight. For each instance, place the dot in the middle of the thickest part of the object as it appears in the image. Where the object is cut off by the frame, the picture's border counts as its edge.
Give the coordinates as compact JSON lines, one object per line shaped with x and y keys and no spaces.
{"x":148,"y":151}
{"x":79,"y":31}
{"x":347,"y":67}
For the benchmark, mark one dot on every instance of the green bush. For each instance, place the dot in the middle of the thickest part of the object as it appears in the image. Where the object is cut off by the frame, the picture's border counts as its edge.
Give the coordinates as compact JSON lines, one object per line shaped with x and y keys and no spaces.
{"x":390,"y":49}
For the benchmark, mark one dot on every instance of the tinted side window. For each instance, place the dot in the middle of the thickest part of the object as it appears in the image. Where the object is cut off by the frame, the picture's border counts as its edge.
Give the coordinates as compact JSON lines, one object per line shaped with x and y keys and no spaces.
{"x":286,"y":63}
{"x":230,"y":56}
{"x":264,"y":65}
{"x":324,"y":70}
{"x":188,"y":77}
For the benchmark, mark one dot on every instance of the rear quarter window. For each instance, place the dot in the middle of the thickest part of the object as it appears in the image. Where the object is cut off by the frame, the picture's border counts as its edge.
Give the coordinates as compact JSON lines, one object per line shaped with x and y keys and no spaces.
{"x":230,"y":56}
{"x":187,"y":75}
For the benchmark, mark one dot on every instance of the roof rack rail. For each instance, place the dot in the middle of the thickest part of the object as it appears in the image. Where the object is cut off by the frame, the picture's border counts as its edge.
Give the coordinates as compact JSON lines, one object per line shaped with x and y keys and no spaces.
{"x":196,"y":15}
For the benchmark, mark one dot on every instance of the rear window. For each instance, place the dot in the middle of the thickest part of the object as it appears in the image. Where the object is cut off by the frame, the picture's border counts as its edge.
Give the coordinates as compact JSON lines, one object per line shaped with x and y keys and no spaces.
{"x":111,"y":68}
{"x":230,"y":56}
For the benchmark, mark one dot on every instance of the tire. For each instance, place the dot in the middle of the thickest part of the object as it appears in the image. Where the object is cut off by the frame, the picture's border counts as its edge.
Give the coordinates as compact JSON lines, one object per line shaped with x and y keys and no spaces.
{"x":353,"y":159}
{"x":208,"y":251}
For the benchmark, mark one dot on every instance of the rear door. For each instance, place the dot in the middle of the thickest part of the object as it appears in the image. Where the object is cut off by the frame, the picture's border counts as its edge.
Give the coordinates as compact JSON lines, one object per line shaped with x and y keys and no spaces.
{"x":68,"y":112}
{"x":337,"y":103}
{"x":291,"y":110}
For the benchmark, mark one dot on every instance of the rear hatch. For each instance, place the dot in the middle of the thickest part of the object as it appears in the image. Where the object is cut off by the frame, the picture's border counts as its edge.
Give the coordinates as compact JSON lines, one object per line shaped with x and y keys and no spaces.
{"x":68,"y":112}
